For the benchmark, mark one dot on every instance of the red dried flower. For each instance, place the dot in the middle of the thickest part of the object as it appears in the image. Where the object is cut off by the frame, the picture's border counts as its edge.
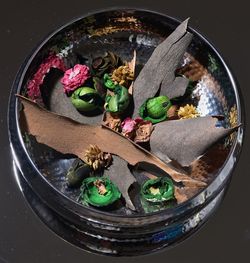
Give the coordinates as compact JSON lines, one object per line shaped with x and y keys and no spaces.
{"x":33,"y":86}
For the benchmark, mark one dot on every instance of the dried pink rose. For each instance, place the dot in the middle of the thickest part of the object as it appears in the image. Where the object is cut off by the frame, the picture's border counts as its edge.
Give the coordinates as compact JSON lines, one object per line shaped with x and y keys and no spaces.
{"x":33,"y":86}
{"x":128,"y":126}
{"x":75,"y":77}
{"x":138,"y":129}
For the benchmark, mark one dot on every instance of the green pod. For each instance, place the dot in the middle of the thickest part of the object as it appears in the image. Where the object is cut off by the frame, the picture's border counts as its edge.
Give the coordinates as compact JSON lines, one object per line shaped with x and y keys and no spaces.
{"x":158,"y":190}
{"x":86,"y":99}
{"x":108,"y":82}
{"x":77,"y":172}
{"x":119,"y":102}
{"x":90,"y":193}
{"x":155,"y":109}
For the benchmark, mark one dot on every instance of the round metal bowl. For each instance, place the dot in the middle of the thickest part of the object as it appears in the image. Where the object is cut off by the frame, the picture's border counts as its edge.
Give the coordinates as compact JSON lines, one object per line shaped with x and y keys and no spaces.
{"x":40,"y":169}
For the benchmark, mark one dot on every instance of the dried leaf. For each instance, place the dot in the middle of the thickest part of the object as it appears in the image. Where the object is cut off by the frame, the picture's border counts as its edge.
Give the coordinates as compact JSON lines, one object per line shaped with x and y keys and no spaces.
{"x":75,"y":138}
{"x":120,"y":175}
{"x":159,"y":71}
{"x":186,"y":140}
{"x":176,"y":89}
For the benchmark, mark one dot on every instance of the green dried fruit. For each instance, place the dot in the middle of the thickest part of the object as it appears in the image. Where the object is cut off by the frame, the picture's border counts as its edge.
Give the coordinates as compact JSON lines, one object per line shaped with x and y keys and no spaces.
{"x":77,"y":172}
{"x":155,"y":109}
{"x":158,"y":190}
{"x":86,"y":99}
{"x":119,"y":101}
{"x":99,"y":191}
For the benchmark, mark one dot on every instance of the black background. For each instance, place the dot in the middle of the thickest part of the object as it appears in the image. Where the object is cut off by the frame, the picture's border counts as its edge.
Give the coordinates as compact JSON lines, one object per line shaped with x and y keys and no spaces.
{"x":23,"y":237}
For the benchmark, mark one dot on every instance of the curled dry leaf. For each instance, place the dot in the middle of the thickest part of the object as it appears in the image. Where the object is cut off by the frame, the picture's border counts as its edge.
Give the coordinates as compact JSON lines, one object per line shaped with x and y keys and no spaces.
{"x":186,"y":140}
{"x":120,"y":174}
{"x":159,"y":71}
{"x":75,"y":138}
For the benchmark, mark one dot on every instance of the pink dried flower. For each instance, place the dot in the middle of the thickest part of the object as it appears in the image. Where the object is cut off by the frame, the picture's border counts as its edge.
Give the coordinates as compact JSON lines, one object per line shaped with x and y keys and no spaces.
{"x":138,"y":129}
{"x":33,"y":86}
{"x":128,"y":125}
{"x":75,"y":77}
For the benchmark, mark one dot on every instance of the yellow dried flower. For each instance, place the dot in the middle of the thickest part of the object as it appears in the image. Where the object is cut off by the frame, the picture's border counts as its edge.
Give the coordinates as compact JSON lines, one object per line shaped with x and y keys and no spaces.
{"x":233,"y":117}
{"x":188,"y":112}
{"x":96,"y":158}
{"x":233,"y":120}
{"x":122,"y":75}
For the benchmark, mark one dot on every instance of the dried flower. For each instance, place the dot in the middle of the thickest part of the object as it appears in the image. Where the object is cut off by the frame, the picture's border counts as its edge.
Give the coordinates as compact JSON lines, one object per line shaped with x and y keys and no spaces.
{"x":33,"y":86}
{"x":98,"y":191}
{"x":112,"y":121}
{"x":233,"y":117}
{"x":128,"y":127}
{"x":96,"y":158}
{"x":188,"y":112}
{"x":75,"y":77}
{"x":137,"y":130}
{"x":143,"y":131}
{"x":118,"y":102}
{"x":108,"y":82}
{"x":155,"y":109}
{"x":122,"y":76}
{"x":160,"y":189}
{"x":105,"y":64}
{"x":86,"y":99}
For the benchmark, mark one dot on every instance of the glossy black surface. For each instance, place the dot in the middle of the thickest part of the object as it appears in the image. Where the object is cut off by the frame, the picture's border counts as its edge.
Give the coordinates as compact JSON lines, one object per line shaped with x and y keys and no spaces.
{"x":18,"y":225}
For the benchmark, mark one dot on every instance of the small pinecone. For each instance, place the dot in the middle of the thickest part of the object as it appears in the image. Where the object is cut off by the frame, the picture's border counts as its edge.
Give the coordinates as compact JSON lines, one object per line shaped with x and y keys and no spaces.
{"x":96,"y":158}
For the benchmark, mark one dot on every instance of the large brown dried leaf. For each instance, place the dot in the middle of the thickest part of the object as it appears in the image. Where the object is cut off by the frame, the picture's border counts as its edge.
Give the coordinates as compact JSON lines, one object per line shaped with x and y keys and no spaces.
{"x":159,"y":71}
{"x":120,"y":174}
{"x":68,"y":136}
{"x":186,"y":140}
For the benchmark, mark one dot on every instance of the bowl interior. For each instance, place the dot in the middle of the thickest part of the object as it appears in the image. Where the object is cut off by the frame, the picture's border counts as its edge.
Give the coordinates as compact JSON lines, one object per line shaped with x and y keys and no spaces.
{"x":123,"y":31}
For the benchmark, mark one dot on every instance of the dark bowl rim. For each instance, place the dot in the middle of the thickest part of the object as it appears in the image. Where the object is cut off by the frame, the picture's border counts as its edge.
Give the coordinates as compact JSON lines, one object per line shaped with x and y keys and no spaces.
{"x":190,"y":203}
